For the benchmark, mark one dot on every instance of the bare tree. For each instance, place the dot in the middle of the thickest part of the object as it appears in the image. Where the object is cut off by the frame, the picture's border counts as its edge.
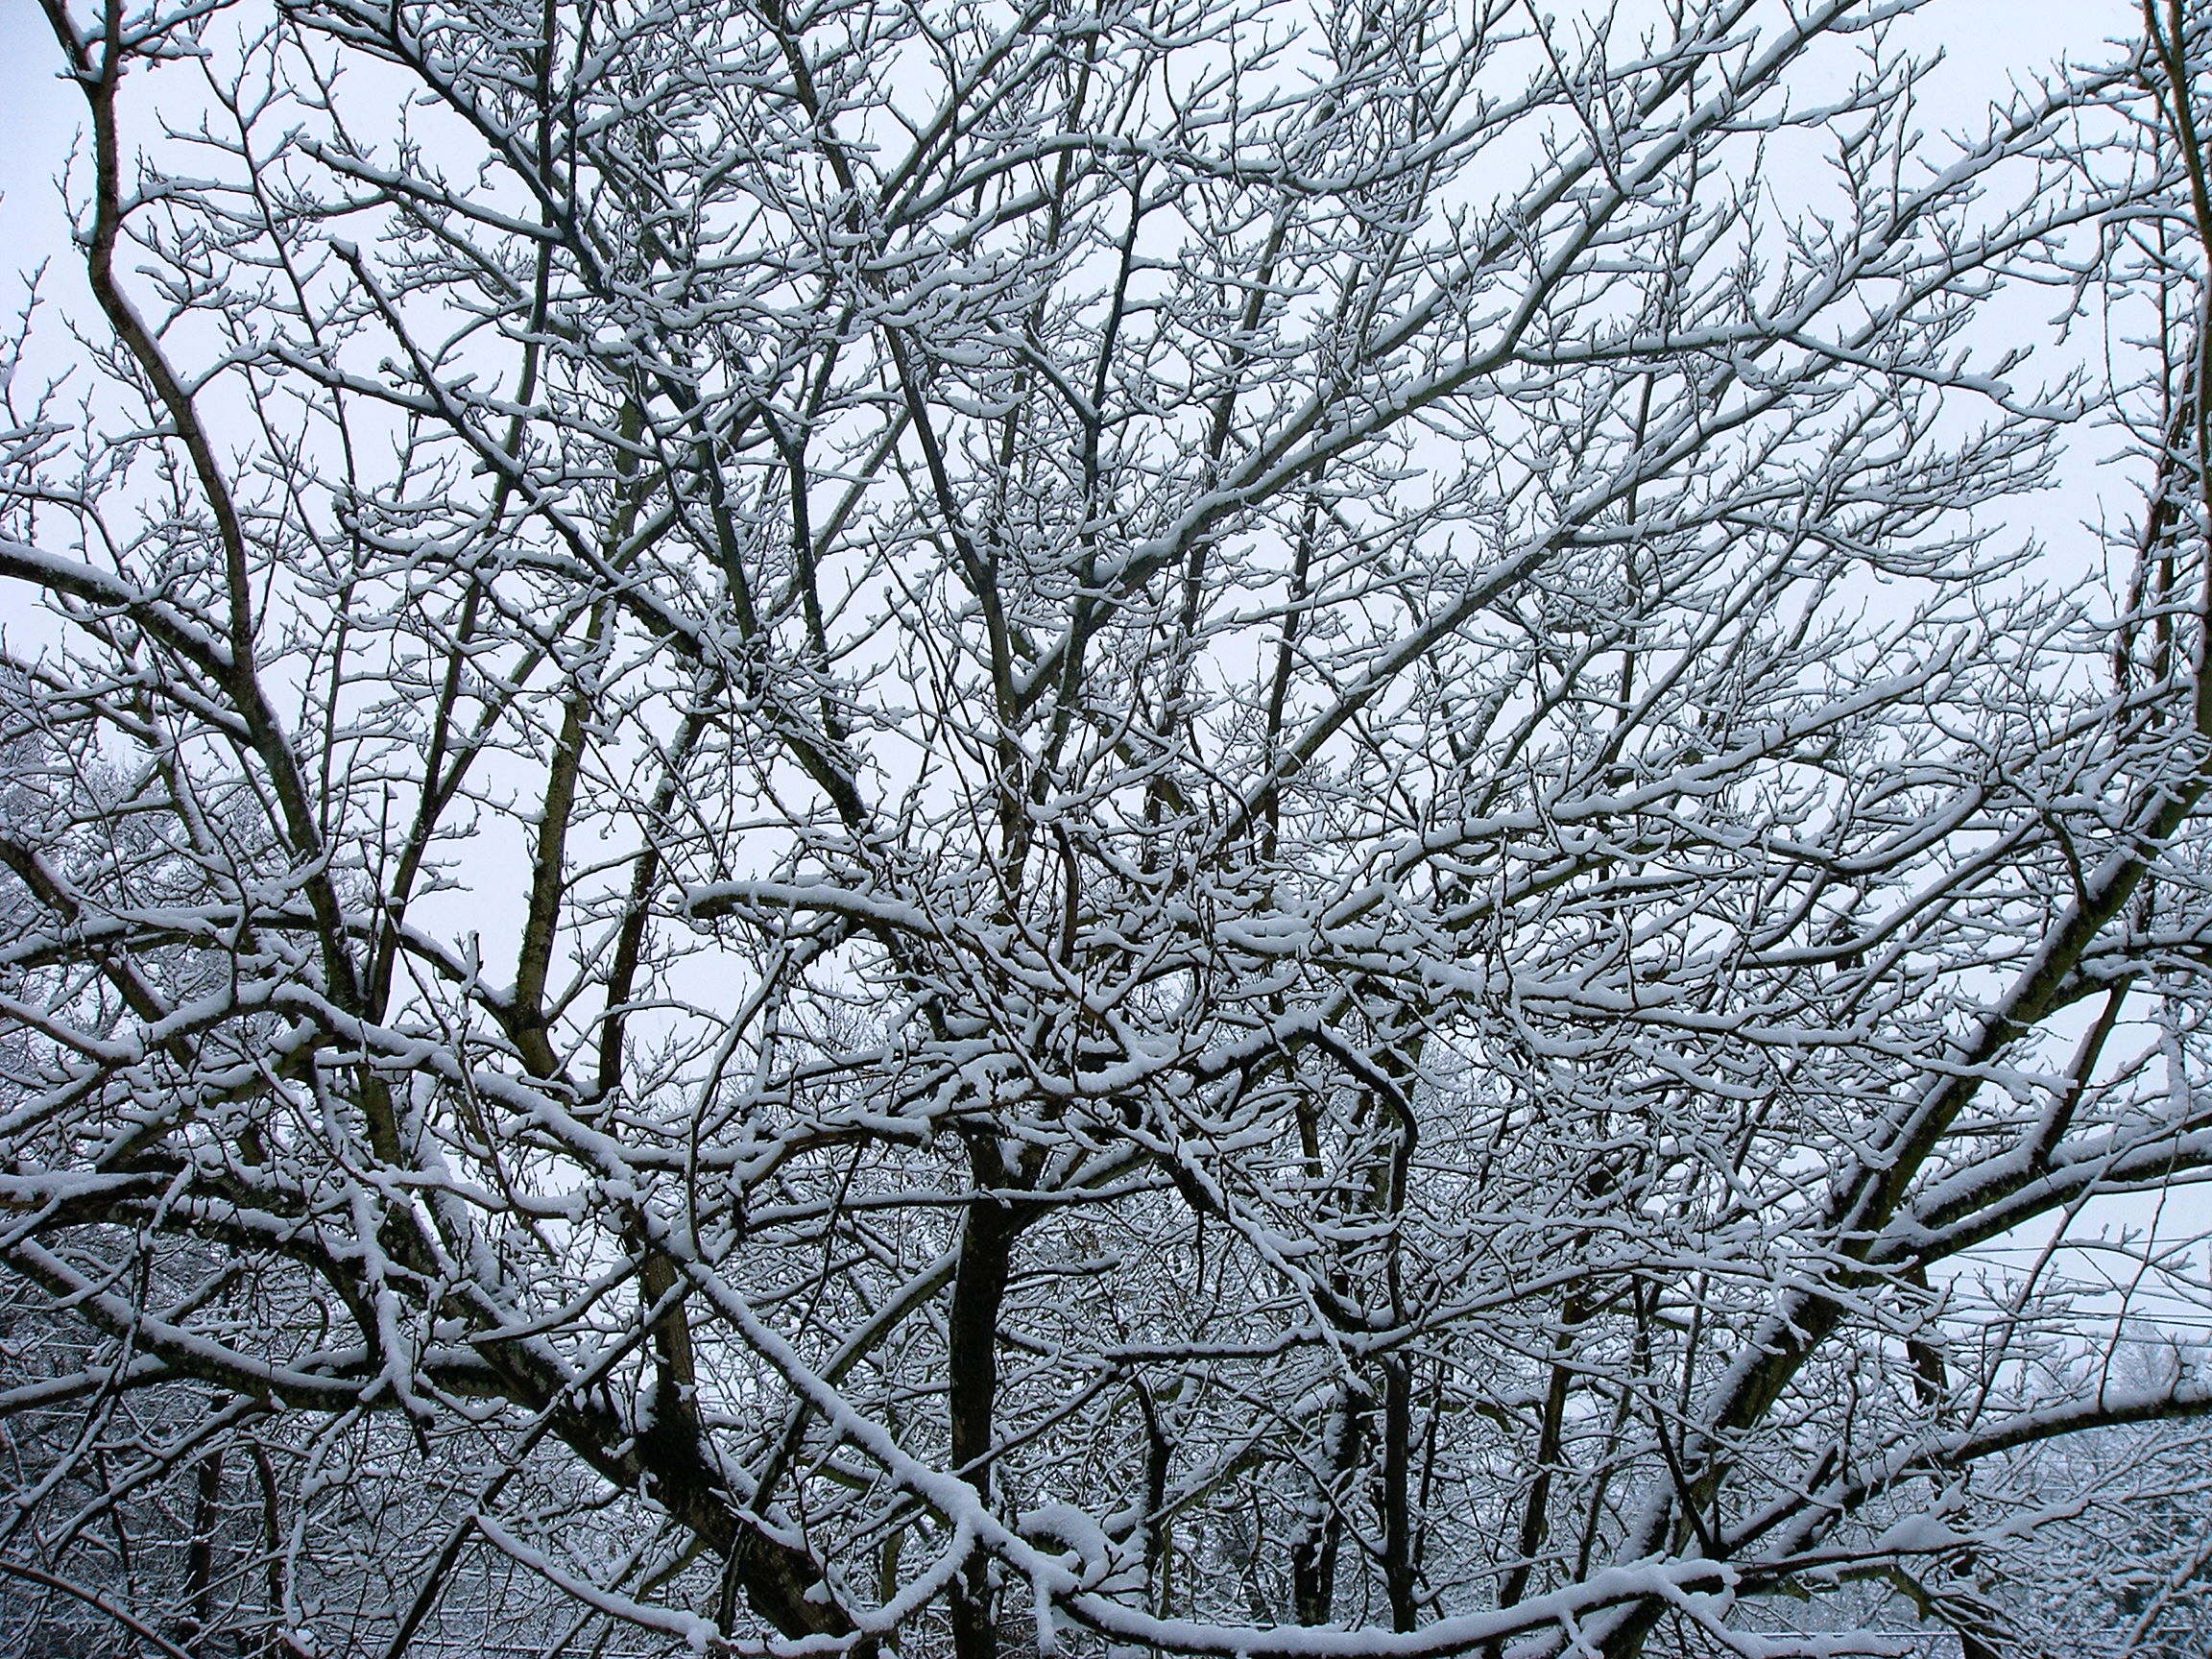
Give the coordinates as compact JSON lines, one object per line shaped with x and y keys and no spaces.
{"x":1213,"y":828}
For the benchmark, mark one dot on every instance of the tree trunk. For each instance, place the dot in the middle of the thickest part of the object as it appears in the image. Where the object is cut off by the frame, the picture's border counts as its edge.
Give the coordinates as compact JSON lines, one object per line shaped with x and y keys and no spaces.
{"x":978,"y":1291}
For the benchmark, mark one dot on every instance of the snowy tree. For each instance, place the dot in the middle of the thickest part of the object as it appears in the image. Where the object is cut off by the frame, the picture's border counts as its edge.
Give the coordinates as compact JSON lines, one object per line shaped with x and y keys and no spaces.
{"x":1205,"y":827}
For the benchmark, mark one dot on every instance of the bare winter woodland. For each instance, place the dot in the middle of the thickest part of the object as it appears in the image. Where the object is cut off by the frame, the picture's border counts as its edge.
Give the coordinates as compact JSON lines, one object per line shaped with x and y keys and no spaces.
{"x":1161,"y":828}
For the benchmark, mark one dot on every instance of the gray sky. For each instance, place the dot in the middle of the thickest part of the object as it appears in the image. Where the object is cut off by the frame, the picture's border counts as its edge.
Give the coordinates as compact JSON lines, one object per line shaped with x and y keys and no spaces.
{"x":1986,"y":42}
{"x":1986,"y":39}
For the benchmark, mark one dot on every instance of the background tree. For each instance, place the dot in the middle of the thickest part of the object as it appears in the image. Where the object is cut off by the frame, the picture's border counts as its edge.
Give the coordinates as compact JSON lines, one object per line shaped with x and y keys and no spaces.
{"x":1182,"y":826}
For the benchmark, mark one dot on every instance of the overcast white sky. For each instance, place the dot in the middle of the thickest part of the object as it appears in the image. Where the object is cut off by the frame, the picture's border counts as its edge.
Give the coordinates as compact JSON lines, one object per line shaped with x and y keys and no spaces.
{"x":1986,"y":42}
{"x":1986,"y":39}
